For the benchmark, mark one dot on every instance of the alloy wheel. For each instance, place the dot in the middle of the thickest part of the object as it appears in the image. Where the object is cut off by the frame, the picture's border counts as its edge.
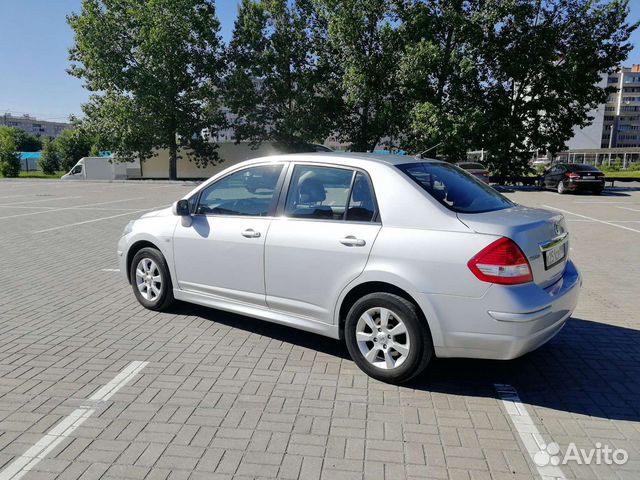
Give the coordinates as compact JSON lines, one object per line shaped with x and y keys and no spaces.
{"x":382,"y":338}
{"x":148,"y":279}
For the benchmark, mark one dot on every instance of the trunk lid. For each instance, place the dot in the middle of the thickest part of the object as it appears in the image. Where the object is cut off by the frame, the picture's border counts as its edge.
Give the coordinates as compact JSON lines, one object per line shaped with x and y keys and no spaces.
{"x":533,"y":229}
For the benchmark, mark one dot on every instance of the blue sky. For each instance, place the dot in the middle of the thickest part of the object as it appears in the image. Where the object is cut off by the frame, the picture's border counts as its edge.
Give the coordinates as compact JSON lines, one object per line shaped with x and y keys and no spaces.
{"x":33,"y":55}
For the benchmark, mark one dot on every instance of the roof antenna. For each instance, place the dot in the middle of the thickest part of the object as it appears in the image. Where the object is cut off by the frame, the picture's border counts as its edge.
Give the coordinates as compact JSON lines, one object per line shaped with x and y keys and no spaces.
{"x":419,"y":156}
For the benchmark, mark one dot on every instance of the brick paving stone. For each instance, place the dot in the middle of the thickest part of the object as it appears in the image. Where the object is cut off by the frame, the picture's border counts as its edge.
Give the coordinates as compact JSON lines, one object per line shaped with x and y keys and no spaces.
{"x":228,"y":397}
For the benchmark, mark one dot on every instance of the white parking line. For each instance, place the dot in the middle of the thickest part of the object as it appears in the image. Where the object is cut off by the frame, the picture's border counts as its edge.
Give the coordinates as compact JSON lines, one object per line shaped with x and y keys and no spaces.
{"x":110,"y":270}
{"x":40,"y":207}
{"x":16,"y":196}
{"x":94,"y":220}
{"x":72,"y":208}
{"x":526,"y":428}
{"x":49,"y":199}
{"x":119,"y":381}
{"x":629,"y":202}
{"x":593,"y":219}
{"x":58,"y":434}
{"x":630,"y":209}
{"x":26,"y":206}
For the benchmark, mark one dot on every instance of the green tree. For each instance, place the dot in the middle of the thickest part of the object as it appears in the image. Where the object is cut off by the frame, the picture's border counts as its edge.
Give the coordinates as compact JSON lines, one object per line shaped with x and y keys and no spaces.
{"x":157,"y":65}
{"x":9,"y":157}
{"x":363,"y":47}
{"x":276,"y":75}
{"x":438,"y":77}
{"x":27,"y":142}
{"x":539,"y":65}
{"x":73,"y":144}
{"x":50,"y":160}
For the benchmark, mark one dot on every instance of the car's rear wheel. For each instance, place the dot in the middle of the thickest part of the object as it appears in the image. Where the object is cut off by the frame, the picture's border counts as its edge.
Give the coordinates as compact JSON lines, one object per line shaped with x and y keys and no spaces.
{"x":150,"y":279}
{"x":561,"y":188}
{"x":387,"y":338}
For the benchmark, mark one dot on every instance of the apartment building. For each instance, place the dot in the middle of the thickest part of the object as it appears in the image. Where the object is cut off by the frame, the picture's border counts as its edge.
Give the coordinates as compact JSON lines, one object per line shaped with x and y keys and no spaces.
{"x":42,"y":128}
{"x":621,"y":120}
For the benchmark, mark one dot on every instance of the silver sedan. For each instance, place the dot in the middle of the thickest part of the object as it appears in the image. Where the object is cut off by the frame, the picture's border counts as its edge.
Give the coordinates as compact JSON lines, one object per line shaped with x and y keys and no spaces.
{"x":402,"y":258}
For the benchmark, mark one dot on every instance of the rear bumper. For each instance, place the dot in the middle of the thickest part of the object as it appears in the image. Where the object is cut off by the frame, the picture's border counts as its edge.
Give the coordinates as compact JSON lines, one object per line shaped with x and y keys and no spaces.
{"x":508,"y":321}
{"x":584,"y":185}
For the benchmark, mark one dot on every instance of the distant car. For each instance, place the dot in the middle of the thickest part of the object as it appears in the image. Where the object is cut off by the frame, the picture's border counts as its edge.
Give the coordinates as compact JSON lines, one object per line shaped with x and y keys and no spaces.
{"x":543,"y":162}
{"x":476,"y":169}
{"x":573,"y":177}
{"x":402,"y":258}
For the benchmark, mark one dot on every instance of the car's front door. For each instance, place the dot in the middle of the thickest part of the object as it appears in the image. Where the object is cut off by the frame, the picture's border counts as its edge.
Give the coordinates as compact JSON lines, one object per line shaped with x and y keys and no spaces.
{"x":321,"y":242}
{"x":222,"y":252}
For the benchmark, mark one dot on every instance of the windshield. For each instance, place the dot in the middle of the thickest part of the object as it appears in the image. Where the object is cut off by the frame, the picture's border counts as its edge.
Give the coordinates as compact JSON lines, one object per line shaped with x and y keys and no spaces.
{"x":455,"y":188}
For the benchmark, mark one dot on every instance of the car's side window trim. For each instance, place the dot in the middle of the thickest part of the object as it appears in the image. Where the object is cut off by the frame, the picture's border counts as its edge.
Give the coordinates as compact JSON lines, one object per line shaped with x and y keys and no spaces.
{"x":284,"y":192}
{"x":346,"y":207}
{"x":274,"y":200}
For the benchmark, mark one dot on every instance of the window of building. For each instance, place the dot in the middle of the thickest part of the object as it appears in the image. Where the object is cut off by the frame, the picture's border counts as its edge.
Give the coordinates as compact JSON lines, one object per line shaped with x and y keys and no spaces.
{"x":613,"y":80}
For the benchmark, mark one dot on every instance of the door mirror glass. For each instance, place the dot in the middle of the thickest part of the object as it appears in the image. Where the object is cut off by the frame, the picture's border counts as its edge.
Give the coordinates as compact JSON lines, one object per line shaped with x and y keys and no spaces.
{"x":181,"y":208}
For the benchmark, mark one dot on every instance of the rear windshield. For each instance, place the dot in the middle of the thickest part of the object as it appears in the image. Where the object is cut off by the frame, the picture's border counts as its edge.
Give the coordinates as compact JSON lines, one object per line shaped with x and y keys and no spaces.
{"x":455,"y":188}
{"x":579,"y":167}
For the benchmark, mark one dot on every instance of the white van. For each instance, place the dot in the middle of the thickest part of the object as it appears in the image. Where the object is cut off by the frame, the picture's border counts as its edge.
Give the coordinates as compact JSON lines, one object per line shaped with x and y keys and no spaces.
{"x":97,"y":168}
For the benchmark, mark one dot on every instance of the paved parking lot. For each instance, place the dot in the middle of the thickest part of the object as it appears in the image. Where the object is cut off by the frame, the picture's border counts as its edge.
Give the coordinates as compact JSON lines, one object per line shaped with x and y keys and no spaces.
{"x":94,"y":386}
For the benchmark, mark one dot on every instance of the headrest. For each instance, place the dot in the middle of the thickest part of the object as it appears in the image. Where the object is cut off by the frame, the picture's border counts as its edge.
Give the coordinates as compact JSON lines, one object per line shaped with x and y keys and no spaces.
{"x":311,"y":190}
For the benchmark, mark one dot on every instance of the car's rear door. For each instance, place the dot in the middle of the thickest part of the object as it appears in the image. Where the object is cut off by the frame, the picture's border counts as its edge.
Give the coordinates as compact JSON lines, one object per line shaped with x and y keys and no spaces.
{"x":221,"y":253}
{"x":322,"y":239}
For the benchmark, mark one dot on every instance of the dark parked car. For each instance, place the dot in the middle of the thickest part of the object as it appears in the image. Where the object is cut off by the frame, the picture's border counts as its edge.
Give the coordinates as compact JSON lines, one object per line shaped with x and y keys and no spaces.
{"x":573,"y":177}
{"x":476,"y":169}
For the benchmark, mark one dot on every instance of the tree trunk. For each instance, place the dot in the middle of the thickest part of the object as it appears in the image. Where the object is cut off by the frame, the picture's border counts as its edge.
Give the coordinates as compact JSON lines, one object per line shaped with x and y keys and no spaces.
{"x":173,"y":158}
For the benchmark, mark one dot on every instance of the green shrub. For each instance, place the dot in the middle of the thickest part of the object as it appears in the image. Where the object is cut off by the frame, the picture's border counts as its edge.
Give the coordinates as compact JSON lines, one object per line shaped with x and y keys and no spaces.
{"x":9,"y":164}
{"x":50,"y":161}
{"x":9,"y":158}
{"x":634,"y":167}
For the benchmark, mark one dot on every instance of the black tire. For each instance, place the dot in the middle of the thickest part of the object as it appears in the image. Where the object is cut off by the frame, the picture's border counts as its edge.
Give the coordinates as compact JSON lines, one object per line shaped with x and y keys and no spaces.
{"x":418,"y":335}
{"x":598,"y":191}
{"x":164,"y":298}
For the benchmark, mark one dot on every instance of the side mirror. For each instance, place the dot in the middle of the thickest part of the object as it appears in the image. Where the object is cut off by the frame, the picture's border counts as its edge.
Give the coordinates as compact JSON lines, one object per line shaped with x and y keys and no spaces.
{"x":181,"y":208}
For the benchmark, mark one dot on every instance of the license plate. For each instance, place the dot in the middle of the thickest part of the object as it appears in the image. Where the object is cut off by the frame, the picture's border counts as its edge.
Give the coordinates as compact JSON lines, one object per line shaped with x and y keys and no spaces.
{"x":553,"y":256}
{"x":589,"y":177}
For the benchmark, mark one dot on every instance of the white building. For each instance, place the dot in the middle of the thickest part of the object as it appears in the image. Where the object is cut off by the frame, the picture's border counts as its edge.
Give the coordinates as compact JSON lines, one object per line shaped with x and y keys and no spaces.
{"x":41,"y":128}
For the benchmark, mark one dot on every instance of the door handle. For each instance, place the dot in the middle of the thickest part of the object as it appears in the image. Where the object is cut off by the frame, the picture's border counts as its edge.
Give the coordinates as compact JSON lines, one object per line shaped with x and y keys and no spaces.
{"x":250,"y":233}
{"x":351,"y":241}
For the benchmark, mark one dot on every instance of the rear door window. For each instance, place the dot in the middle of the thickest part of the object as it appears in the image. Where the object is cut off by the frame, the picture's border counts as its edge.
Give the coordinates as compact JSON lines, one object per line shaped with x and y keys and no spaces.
{"x":454,"y":188}
{"x":362,"y":204}
{"x":318,"y":192}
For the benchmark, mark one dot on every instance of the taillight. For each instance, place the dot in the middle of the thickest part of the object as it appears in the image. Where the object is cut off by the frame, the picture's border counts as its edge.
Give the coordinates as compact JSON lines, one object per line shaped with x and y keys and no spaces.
{"x":572,"y":175}
{"x":501,"y":262}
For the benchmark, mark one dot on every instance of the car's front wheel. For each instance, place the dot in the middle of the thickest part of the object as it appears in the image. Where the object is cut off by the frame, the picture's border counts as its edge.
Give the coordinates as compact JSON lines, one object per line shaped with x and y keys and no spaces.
{"x":150,"y":279}
{"x":387,"y":338}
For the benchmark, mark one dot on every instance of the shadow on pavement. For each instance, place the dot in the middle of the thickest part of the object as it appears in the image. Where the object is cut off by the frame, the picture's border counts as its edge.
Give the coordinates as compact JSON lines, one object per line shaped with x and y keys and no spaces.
{"x":267,"y":329}
{"x":589,"y":368}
